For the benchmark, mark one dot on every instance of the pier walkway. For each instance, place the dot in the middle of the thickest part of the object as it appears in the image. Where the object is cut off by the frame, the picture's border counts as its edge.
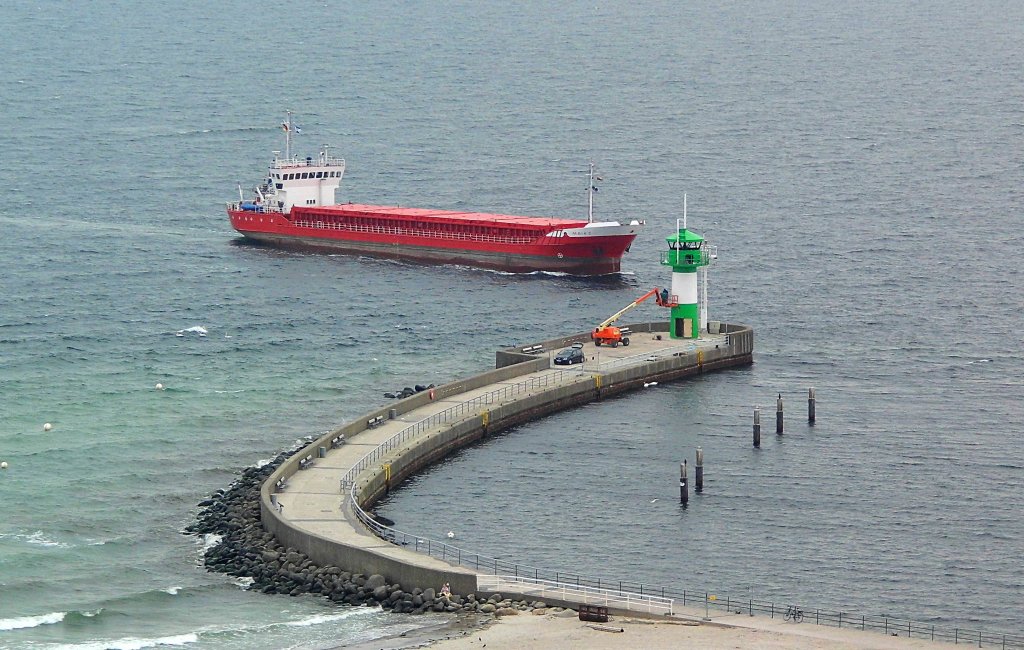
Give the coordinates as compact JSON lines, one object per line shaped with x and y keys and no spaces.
{"x":314,"y":501}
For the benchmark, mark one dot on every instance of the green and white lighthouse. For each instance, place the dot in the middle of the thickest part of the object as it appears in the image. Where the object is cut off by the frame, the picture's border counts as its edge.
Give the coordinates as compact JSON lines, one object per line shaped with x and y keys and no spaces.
{"x":688,"y":255}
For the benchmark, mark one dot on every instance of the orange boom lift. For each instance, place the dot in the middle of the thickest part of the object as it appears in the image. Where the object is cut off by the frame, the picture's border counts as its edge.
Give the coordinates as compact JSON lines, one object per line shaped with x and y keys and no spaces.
{"x":608,"y":335}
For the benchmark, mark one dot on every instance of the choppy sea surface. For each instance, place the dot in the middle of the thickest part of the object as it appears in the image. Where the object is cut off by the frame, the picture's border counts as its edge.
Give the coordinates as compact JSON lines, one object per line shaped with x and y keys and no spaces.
{"x":858,"y":164}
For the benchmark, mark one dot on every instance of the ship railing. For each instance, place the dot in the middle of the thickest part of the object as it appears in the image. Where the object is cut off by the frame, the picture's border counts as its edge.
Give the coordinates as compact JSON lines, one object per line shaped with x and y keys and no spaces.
{"x":295,"y":161}
{"x":412,"y":232}
{"x":256,"y":208}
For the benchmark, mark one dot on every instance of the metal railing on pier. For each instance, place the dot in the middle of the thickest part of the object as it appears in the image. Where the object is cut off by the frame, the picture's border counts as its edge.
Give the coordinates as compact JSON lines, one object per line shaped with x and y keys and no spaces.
{"x":454,"y":414}
{"x":705,"y":600}
{"x":522,"y":578}
{"x":568,"y":592}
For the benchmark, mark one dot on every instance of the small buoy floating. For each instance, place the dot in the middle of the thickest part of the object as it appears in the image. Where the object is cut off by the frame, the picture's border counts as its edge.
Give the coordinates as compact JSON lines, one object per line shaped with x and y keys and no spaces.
{"x":451,"y":535}
{"x":3,"y":465}
{"x":47,"y":426}
{"x":159,"y":386}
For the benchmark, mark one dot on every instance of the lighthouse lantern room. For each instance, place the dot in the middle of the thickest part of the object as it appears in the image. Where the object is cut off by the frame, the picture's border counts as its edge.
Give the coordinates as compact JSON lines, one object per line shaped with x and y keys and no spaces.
{"x":688,"y":254}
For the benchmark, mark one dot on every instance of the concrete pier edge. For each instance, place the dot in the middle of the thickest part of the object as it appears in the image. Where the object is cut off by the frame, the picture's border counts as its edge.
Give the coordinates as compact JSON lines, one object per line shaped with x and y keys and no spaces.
{"x":414,"y":570}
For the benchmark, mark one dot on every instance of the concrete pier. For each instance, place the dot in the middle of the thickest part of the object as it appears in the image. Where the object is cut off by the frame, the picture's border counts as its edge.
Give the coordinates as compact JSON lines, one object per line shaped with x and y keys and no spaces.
{"x":307,"y":502}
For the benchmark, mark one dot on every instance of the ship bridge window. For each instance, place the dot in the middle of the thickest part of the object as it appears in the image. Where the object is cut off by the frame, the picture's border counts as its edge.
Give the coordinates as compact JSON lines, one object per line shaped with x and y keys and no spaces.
{"x":319,"y":174}
{"x":279,"y":186}
{"x":691,"y":245}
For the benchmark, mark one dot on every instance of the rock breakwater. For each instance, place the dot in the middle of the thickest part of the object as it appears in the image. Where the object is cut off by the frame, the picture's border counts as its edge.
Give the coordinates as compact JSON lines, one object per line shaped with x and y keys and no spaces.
{"x":246,"y":550}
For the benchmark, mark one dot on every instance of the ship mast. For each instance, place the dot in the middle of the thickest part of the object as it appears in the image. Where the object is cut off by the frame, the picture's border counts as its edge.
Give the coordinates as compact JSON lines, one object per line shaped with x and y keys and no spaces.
{"x":591,"y":188}
{"x":288,"y":137}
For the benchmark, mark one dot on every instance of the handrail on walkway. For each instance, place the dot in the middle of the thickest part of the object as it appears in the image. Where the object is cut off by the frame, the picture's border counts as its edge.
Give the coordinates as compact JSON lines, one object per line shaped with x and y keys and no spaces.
{"x":493,"y":572}
{"x":461,"y":409}
{"x":572,"y":593}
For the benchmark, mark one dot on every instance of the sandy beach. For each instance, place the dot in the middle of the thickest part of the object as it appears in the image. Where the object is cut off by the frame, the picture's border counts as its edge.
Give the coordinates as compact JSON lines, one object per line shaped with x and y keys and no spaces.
{"x":565,"y":630}
{"x":560,"y":630}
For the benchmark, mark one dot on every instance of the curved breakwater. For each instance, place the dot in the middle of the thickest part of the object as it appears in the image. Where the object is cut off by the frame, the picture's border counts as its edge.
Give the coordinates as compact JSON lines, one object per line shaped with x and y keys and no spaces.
{"x":263,"y":541}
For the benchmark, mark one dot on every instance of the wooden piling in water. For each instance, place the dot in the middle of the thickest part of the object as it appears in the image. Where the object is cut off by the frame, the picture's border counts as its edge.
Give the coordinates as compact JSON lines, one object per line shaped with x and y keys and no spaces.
{"x":778,"y":416}
{"x":684,"y":494}
{"x":810,"y":405}
{"x":699,"y":470}
{"x":757,"y":427}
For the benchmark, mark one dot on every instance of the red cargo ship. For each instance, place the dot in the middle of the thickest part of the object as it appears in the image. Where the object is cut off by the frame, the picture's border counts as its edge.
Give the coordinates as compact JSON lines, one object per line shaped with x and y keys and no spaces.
{"x":294,"y":206}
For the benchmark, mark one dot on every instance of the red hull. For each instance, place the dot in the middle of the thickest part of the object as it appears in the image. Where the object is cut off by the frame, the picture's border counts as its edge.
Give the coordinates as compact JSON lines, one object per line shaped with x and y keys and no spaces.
{"x":515,"y":244}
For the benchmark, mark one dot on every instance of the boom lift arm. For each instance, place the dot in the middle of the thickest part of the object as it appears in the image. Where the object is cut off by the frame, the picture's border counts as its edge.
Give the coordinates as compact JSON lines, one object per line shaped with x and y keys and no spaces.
{"x":612,"y":335}
{"x":614,"y":317}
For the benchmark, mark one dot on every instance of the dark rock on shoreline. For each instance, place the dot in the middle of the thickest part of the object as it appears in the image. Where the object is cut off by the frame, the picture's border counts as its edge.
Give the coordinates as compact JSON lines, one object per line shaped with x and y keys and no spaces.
{"x":408,"y":391}
{"x":246,"y":550}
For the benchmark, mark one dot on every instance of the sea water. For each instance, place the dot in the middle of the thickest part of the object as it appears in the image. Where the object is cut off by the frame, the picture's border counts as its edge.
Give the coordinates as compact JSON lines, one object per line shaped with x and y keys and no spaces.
{"x":859,"y":167}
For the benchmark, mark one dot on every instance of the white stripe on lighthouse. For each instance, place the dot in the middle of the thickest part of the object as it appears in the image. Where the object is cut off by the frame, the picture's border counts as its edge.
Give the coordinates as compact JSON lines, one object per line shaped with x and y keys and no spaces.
{"x":684,"y":288}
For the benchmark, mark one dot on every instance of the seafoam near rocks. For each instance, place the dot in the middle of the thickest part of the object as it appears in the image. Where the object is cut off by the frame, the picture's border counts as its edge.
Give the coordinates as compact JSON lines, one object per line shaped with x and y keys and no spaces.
{"x":246,"y":550}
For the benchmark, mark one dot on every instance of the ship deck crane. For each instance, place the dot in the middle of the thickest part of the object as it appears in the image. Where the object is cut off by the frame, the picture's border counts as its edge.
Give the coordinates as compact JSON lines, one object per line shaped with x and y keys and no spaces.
{"x":606,"y":334}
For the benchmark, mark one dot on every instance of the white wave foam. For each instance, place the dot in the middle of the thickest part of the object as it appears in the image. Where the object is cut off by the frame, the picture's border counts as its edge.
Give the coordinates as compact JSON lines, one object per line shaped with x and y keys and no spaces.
{"x":244,"y":582}
{"x":91,"y":541}
{"x":38,"y":538}
{"x":195,"y":329}
{"x":172,"y":590}
{"x":133,"y":644}
{"x":210,"y":540}
{"x":22,"y":622}
{"x":329,"y":618}
{"x":263,"y":462}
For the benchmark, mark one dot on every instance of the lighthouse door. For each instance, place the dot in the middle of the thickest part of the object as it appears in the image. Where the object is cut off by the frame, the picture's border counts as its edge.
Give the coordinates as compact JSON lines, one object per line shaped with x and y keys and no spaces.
{"x":684,"y":328}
